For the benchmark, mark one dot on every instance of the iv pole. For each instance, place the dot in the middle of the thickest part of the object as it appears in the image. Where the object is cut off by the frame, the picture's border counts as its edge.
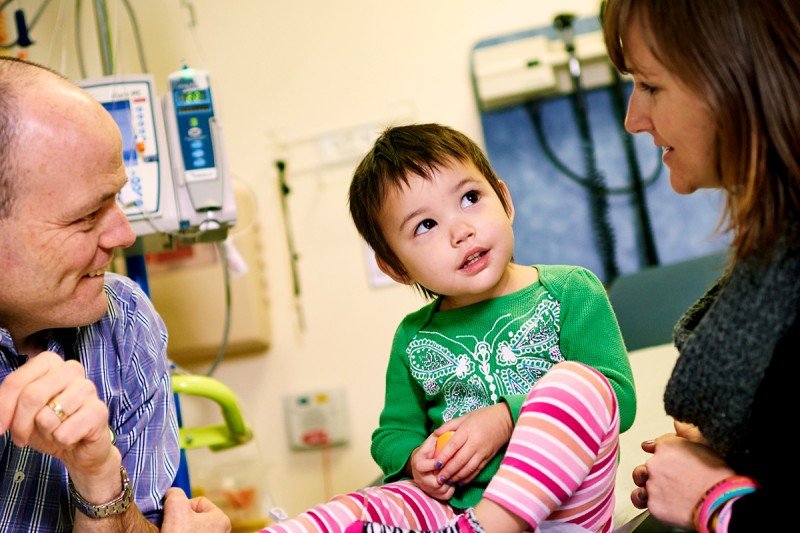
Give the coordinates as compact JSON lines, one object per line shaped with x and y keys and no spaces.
{"x":135,"y":263}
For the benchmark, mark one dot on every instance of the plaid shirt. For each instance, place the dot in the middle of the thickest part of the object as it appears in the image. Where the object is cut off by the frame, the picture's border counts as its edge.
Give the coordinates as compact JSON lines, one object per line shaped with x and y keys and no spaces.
{"x":124,"y":355}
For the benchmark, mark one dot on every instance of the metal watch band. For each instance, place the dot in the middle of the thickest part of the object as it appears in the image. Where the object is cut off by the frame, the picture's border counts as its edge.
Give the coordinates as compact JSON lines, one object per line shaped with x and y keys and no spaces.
{"x":116,"y":506}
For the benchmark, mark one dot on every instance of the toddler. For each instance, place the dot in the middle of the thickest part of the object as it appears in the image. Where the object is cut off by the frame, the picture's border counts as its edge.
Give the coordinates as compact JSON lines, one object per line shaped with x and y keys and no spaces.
{"x":524,"y":364}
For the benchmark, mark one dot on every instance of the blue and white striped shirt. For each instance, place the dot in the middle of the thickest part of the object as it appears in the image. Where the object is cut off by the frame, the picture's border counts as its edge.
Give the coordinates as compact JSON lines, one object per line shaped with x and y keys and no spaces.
{"x":124,"y":354}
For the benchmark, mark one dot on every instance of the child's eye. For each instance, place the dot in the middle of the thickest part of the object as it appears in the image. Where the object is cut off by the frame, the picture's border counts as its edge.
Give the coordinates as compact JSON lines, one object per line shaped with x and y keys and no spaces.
{"x":471,"y":198}
{"x":425,"y":226}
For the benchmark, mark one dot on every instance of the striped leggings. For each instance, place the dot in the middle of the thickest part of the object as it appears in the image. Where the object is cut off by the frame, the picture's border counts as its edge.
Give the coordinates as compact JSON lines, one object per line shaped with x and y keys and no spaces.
{"x":560,"y":466}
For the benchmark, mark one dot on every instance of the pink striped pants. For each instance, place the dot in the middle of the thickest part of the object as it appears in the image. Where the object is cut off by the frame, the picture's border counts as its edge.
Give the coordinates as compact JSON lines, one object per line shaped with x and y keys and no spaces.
{"x":560,"y":466}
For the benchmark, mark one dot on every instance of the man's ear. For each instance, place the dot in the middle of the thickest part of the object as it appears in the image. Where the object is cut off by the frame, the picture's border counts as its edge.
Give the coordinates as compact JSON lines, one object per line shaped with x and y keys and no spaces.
{"x":507,"y":198}
{"x":389,"y":271}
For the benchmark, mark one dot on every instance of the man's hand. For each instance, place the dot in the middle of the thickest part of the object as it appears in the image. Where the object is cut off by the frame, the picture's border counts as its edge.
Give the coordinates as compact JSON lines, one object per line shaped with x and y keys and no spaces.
{"x":198,"y":514}
{"x":50,"y":405}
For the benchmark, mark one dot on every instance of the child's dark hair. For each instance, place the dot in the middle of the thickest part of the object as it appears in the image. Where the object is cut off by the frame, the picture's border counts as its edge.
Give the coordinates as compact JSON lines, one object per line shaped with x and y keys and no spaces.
{"x":400,"y":152}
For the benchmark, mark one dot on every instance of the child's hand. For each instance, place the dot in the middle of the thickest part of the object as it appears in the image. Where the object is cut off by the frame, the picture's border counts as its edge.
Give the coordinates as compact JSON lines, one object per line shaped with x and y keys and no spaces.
{"x":478,"y":436}
{"x":425,"y":473}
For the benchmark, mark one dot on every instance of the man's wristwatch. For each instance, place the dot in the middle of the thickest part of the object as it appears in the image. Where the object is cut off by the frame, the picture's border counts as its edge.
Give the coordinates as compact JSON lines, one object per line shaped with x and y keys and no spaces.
{"x":116,"y":506}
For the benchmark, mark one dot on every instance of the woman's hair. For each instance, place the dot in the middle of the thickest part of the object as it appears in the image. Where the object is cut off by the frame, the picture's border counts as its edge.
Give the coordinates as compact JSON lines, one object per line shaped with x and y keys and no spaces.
{"x":742,"y":58}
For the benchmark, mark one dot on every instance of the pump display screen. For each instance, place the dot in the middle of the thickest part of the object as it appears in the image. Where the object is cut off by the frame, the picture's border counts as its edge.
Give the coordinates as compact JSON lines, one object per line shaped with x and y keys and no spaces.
{"x":193,"y":97}
{"x":120,"y":111}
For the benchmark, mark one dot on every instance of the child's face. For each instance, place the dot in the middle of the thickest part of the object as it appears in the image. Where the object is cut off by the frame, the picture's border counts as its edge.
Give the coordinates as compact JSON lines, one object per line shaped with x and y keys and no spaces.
{"x":451,"y":234}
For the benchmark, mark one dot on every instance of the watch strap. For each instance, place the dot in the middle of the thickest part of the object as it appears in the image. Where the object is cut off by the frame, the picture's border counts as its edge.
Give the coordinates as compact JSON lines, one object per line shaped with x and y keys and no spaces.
{"x":116,"y":506}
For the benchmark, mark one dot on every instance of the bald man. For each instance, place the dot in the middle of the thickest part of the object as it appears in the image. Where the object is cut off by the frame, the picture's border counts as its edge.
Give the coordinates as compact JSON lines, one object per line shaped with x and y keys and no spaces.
{"x":88,"y":432}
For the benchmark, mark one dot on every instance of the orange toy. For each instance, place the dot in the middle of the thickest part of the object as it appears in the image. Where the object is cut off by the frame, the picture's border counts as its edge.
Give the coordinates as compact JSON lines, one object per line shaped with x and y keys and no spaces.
{"x":441,"y":440}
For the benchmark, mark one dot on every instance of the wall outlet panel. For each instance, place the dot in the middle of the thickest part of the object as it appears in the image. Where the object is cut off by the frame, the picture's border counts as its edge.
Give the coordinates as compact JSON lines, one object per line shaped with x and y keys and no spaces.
{"x":316,"y":419}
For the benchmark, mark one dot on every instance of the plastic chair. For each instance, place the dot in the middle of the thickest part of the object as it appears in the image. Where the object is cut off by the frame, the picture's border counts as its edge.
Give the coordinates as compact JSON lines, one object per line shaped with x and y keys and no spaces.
{"x":648,"y":303}
{"x":233,"y":432}
{"x":216,"y":437}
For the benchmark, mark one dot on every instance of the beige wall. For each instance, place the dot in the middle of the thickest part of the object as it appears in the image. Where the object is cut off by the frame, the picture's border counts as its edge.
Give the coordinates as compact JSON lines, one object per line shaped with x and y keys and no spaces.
{"x":284,"y":72}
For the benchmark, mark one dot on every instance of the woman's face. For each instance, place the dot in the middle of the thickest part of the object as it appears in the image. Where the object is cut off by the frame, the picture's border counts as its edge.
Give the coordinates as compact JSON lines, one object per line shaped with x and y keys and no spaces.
{"x":676,"y":117}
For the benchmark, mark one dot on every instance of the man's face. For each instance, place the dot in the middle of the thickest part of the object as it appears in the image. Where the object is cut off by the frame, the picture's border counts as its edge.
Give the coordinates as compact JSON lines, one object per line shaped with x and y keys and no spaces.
{"x":64,"y":223}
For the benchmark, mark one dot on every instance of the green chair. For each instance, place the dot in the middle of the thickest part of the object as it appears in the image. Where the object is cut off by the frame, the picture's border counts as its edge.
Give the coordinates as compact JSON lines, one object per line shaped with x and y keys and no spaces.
{"x":649,"y":302}
{"x":233,"y":432}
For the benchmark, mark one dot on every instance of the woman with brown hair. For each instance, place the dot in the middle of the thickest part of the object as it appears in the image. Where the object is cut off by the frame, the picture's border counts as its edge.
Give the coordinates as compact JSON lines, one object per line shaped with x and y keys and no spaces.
{"x":716,"y":85}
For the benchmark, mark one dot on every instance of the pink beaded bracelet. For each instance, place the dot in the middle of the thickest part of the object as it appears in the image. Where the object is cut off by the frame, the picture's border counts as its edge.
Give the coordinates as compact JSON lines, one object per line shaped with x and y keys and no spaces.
{"x":716,"y":496}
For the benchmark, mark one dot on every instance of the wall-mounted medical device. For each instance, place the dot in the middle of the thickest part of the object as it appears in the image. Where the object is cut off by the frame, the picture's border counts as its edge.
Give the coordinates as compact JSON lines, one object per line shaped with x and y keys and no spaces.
{"x":511,"y":70}
{"x":199,"y":166}
{"x":148,"y":198}
{"x":179,"y":187}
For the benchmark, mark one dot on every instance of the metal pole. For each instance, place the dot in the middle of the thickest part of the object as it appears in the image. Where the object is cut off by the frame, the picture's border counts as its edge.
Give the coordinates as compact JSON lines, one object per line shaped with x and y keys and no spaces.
{"x":104,"y":36}
{"x":136,"y":265}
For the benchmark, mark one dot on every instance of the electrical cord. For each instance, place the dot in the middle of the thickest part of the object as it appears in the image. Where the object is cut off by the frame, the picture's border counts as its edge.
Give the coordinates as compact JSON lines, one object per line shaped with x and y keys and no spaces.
{"x":533,"y":108}
{"x":38,"y":13}
{"x":594,"y":181}
{"x":647,"y":239}
{"x":598,"y":199}
{"x":226,"y":272}
{"x":136,"y":35}
{"x":79,"y":33}
{"x":79,"y":38}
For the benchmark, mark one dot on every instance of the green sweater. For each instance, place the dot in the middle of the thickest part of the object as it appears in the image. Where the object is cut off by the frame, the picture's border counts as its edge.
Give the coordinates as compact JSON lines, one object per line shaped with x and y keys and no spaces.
{"x":445,"y":364}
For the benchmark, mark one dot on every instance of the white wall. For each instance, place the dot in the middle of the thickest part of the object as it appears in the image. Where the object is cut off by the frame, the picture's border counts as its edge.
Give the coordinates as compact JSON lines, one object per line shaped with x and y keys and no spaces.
{"x":284,"y":72}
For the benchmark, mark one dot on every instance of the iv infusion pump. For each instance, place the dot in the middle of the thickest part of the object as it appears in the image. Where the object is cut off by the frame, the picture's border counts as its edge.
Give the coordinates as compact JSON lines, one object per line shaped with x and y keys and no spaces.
{"x":178,"y":182}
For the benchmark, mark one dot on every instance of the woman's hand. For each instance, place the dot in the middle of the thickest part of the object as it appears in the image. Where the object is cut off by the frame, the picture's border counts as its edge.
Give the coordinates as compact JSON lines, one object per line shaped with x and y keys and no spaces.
{"x":689,"y":432}
{"x":672,"y":481}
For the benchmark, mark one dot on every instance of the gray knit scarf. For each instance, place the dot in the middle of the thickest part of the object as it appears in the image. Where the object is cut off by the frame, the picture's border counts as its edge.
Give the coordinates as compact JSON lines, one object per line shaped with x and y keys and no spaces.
{"x":726,"y":341}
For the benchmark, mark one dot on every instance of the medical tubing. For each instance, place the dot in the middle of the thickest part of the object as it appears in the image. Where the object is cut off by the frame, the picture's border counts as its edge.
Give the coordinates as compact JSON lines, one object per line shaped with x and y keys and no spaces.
{"x":593,"y":183}
{"x":598,"y":200}
{"x":647,"y":240}
{"x":79,"y":38}
{"x":533,"y":107}
{"x":136,"y":35}
{"x":223,"y":258}
{"x":535,"y":114}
